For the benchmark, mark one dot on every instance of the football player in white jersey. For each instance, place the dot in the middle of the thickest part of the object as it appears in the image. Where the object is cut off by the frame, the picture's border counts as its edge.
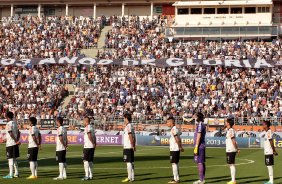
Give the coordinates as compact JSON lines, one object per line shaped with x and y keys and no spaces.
{"x":12,"y":146}
{"x":89,"y":148}
{"x":231,"y":149}
{"x":175,"y":149}
{"x":34,"y":142}
{"x":129,"y":141}
{"x":269,"y":150}
{"x":61,"y":148}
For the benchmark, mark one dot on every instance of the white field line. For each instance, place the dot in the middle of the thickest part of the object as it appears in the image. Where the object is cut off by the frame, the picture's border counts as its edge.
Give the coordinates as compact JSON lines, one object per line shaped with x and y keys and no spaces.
{"x":145,"y":168}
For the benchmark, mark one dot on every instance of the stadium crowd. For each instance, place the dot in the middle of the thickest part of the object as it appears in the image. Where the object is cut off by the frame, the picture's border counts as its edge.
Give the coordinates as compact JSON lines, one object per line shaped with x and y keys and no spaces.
{"x":136,"y":38}
{"x":146,"y":91}
{"x":219,"y":92}
{"x":48,"y":37}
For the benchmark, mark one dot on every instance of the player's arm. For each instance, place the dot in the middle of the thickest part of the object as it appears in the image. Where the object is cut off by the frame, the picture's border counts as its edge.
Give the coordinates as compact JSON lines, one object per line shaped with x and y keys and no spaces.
{"x":39,"y":140}
{"x":19,"y":136}
{"x":178,"y":142}
{"x":13,"y":136}
{"x":92,"y":140}
{"x":235,"y":144}
{"x":35,"y":139}
{"x":196,"y":149}
{"x":62,"y":141}
{"x":273,"y":147}
{"x":132,"y":140}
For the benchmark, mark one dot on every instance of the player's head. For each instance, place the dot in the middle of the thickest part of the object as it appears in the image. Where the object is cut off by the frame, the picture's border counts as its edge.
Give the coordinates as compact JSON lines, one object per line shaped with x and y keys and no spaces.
{"x":32,"y":121}
{"x":170,"y":121}
{"x":86,"y":121}
{"x":229,"y":123}
{"x":127,"y":118}
{"x":200,"y":117}
{"x":10,"y":115}
{"x":266,"y":124}
{"x":59,"y":121}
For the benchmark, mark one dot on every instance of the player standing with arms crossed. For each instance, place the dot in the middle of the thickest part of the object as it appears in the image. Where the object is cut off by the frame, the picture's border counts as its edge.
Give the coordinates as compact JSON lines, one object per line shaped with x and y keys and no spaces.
{"x":199,"y":147}
{"x":12,"y":145}
{"x":175,"y":148}
{"x":34,"y":142}
{"x":129,"y":147}
{"x":231,"y":149}
{"x":61,"y":147}
{"x":269,"y":150}
{"x":89,"y":149}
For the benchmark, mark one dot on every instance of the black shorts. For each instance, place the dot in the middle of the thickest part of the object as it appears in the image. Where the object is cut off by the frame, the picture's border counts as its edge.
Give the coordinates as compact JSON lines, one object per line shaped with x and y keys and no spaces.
{"x":230,"y":157}
{"x":32,"y":154}
{"x":174,"y":157}
{"x":269,"y":160}
{"x":128,"y":155}
{"x":13,"y":151}
{"x":61,"y":156}
{"x":88,"y":154}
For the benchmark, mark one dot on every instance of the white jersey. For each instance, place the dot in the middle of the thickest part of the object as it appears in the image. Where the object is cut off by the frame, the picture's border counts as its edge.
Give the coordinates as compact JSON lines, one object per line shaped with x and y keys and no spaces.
{"x":61,"y":131}
{"x":267,"y":146}
{"x":129,"y":129}
{"x":33,"y":131}
{"x":87,"y":143}
{"x":11,"y":126}
{"x":173,"y":146}
{"x":230,"y":134}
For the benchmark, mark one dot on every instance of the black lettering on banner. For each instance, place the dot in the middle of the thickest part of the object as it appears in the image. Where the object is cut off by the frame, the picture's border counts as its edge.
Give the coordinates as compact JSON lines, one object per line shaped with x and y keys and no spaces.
{"x":166,"y":62}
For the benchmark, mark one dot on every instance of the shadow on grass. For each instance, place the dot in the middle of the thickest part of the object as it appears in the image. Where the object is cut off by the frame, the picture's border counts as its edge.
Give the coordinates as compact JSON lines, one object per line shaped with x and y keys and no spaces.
{"x":164,"y":177}
{"x":227,"y":178}
{"x":258,"y":180}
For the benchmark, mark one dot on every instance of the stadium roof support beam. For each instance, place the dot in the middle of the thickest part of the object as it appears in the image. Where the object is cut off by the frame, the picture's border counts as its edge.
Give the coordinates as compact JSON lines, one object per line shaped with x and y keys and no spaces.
{"x":152,"y":10}
{"x":67,"y":9}
{"x":94,"y":11}
{"x":39,"y":11}
{"x":122,"y":9}
{"x":12,"y":10}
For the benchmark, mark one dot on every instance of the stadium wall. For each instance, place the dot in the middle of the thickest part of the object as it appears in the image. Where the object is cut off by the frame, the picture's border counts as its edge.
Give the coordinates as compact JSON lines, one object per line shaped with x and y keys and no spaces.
{"x":5,"y":12}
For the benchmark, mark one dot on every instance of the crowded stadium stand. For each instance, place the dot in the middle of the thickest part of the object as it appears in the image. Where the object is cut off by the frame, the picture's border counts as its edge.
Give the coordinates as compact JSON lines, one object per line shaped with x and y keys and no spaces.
{"x":155,"y":29}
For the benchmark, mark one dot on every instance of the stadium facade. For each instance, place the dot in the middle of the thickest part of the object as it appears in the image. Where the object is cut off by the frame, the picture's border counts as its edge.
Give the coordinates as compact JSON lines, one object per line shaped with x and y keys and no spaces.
{"x":193,"y":19}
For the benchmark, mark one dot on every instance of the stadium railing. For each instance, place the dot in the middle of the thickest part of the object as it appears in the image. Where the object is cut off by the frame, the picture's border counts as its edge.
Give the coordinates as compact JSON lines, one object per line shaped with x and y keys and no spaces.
{"x":157,"y":123}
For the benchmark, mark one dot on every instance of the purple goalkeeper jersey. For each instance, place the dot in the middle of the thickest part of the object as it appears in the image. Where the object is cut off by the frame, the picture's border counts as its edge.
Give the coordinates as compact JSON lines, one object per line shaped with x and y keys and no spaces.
{"x":200,"y":128}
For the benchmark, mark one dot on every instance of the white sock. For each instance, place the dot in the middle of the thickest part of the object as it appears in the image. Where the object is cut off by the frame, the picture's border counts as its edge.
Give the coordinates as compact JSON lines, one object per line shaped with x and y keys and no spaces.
{"x":270,"y":173}
{"x":129,"y":170}
{"x":32,"y":168}
{"x":132,"y":172}
{"x":65,"y":170}
{"x":90,"y":169}
{"x":11,"y":166}
{"x":61,"y":169}
{"x":175,"y":171}
{"x":233,"y":172}
{"x":16,"y":167}
{"x":36,"y":168}
{"x":86,"y":168}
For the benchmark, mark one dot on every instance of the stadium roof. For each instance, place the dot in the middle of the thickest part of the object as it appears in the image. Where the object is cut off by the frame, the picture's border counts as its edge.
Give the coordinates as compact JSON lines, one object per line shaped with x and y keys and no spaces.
{"x":234,"y":2}
{"x":22,"y":2}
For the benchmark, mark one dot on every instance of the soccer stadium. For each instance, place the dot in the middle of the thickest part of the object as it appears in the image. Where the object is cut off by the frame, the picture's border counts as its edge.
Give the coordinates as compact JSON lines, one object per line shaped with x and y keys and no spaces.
{"x":141,"y":91}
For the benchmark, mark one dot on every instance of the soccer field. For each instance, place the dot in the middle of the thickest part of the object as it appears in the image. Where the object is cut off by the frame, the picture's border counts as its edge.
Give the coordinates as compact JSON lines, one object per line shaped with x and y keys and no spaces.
{"x":152,"y":166}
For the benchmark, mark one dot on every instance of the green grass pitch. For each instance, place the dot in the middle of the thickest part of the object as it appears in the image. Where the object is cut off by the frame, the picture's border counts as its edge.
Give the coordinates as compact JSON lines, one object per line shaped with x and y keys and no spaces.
{"x":152,"y":166}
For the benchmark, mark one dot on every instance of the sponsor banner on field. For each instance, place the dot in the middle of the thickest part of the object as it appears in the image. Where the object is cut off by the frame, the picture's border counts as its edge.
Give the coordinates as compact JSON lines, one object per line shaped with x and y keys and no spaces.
{"x":189,"y":141}
{"x":166,"y":62}
{"x":78,"y":139}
